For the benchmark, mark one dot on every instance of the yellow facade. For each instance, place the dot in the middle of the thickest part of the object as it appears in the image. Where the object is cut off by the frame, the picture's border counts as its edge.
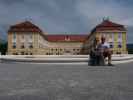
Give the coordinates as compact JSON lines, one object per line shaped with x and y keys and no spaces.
{"x":25,"y":37}
{"x":18,"y":50}
{"x":115,"y":34}
{"x":116,"y":49}
{"x":47,"y":48}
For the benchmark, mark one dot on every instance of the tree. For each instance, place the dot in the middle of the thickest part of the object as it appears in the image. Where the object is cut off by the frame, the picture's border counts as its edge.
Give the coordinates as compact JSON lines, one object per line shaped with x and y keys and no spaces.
{"x":3,"y":48}
{"x":130,"y":50}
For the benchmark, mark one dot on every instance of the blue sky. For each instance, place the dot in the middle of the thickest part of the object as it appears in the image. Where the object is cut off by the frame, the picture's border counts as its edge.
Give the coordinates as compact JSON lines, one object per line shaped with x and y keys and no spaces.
{"x":60,"y":16}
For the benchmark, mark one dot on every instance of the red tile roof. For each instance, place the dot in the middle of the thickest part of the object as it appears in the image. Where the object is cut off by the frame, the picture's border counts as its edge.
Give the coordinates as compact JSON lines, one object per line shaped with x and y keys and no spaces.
{"x":108,"y":25}
{"x":66,"y":38}
{"x":25,"y":27}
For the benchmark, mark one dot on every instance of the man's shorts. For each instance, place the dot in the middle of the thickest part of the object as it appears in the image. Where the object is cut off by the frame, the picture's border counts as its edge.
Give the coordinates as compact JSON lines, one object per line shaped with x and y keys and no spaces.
{"x":105,"y":54}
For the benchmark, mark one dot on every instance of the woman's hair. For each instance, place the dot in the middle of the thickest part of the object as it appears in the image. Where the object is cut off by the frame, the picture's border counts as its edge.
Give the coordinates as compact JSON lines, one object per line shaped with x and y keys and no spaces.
{"x":96,"y":42}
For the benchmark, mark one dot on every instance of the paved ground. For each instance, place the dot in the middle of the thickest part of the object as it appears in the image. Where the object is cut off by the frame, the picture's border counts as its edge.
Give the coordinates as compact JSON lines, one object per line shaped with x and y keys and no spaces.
{"x":65,"y":82}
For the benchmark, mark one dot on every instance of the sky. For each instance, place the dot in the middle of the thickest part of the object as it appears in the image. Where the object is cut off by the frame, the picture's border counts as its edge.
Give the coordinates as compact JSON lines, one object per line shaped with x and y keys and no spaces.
{"x":66,"y":16}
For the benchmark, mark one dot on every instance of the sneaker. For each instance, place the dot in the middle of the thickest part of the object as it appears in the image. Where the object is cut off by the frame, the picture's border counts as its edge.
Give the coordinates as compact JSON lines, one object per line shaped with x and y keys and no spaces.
{"x":109,"y":64}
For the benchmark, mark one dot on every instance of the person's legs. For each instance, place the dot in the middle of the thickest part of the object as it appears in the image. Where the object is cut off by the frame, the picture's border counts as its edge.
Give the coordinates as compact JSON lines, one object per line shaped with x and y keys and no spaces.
{"x":108,"y":54}
{"x":98,"y":60}
{"x":109,"y":58}
{"x":101,"y":60}
{"x":92,"y":58}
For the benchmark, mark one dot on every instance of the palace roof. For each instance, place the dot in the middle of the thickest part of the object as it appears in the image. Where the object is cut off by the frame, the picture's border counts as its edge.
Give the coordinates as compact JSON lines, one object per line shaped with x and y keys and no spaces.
{"x":66,"y":38}
{"x":108,"y":25}
{"x":26,"y":26}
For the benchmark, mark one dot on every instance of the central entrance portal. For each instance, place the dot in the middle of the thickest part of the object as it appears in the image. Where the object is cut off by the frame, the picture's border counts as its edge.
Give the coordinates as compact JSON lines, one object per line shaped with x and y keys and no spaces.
{"x":68,"y":52}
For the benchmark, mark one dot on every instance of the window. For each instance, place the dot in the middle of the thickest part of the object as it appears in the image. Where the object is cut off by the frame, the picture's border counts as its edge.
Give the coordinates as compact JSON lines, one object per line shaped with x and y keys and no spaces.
{"x":119,"y":45}
{"x":119,"y":37}
{"x":22,"y":46}
{"x":15,"y":53}
{"x":78,"y":49}
{"x":111,"y":45}
{"x":112,"y":37}
{"x":26,"y":53}
{"x":22,"y":36}
{"x":30,"y":45}
{"x":30,"y":36}
{"x":22,"y":53}
{"x":14,"y":45}
{"x":118,"y":52}
{"x":14,"y":35}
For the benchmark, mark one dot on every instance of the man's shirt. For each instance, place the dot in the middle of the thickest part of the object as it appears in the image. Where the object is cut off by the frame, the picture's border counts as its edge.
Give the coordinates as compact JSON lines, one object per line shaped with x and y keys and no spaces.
{"x":102,"y":47}
{"x":105,"y":45}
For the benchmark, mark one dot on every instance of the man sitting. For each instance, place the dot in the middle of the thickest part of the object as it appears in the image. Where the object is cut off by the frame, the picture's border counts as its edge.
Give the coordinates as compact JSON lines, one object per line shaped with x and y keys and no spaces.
{"x":105,"y":50}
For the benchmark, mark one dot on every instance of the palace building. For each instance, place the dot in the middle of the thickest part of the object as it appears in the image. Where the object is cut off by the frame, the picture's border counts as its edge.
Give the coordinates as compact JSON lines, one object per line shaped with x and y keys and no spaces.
{"x":28,"y":39}
{"x":115,"y":34}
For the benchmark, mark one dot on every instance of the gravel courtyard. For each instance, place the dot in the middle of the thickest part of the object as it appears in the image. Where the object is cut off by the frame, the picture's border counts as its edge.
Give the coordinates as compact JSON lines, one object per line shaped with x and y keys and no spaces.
{"x":65,"y":82}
